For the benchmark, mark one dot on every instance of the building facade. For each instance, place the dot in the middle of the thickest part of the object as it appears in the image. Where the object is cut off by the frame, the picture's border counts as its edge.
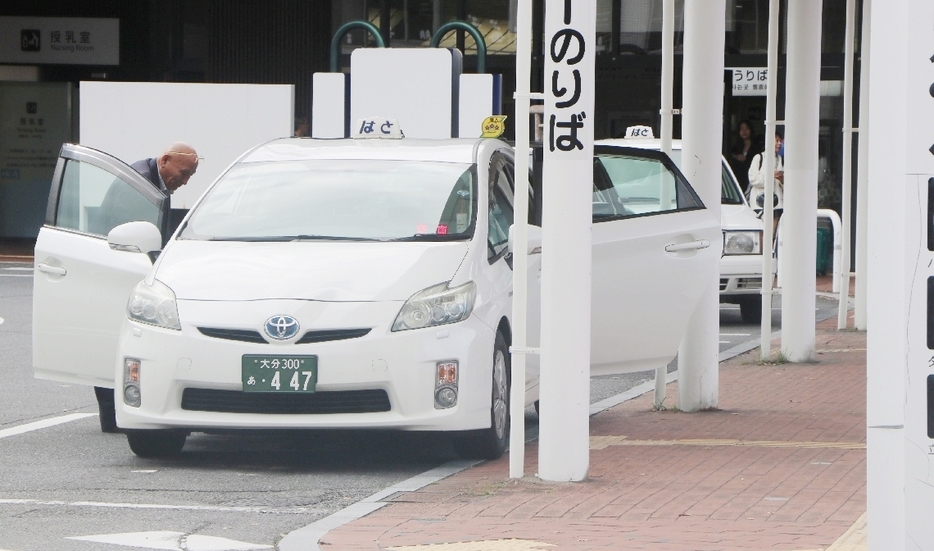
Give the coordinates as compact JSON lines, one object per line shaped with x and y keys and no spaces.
{"x":287,"y":41}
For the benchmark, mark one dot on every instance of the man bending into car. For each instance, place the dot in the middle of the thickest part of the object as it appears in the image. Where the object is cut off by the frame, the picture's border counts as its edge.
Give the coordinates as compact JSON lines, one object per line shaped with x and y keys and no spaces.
{"x":167,"y":173}
{"x":172,"y":169}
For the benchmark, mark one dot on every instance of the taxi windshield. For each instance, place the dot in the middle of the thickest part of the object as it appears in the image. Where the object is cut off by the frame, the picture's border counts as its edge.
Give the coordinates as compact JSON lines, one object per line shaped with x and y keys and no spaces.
{"x":358,"y":200}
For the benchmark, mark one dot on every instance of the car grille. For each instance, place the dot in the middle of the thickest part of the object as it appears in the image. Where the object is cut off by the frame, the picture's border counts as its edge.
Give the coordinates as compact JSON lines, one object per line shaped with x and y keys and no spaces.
{"x":749,"y":283}
{"x":332,"y":335}
{"x":247,"y":335}
{"x":742,"y":283}
{"x":235,"y":401}
{"x":243,"y":335}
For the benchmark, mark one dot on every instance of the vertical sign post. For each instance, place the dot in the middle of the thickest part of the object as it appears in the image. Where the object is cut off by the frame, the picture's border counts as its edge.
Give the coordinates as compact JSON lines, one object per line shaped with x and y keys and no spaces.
{"x":521,"y":239}
{"x":667,"y":112}
{"x":771,"y":98}
{"x":567,"y":181}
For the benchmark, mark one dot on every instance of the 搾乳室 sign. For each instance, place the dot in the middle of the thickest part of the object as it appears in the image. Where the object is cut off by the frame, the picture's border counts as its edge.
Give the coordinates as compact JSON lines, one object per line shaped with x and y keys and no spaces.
{"x":748,"y":81}
{"x":60,"y":40}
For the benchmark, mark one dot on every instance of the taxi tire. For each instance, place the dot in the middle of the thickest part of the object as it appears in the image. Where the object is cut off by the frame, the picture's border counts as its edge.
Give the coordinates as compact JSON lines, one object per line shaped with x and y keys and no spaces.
{"x":491,"y":443}
{"x":158,"y":444}
{"x":750,"y":309}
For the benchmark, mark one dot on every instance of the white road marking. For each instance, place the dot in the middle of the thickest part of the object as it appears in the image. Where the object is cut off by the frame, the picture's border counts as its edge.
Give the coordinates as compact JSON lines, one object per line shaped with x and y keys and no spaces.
{"x":105,"y":505}
{"x":173,"y":541}
{"x":735,"y":334}
{"x":45,"y":423}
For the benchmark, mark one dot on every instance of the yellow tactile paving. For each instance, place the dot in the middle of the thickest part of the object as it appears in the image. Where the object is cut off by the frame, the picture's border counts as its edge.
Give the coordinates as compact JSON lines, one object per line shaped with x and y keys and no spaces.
{"x":854,"y":539}
{"x":601,"y":442}
{"x":492,"y":545}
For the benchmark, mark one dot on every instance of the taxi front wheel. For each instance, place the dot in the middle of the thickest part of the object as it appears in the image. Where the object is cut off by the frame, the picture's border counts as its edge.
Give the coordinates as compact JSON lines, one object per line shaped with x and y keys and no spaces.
{"x":156,"y":443}
{"x":491,"y":443}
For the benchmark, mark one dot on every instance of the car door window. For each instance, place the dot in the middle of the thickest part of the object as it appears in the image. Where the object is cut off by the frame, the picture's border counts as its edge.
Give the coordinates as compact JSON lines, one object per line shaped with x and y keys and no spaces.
{"x":500,"y":215}
{"x":637,"y":184}
{"x":93,"y":201}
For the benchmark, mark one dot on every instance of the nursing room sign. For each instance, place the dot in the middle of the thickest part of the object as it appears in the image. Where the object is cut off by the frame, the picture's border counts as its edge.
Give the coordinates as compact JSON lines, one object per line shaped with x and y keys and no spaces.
{"x":748,"y":81}
{"x":60,"y":40}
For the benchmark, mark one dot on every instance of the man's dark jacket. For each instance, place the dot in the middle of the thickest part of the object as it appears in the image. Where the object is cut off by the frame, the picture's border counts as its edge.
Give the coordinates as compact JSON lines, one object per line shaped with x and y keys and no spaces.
{"x":149,"y":168}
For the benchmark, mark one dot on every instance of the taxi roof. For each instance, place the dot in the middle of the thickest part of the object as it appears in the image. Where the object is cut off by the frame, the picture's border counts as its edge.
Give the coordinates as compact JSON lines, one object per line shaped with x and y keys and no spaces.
{"x":642,"y":143}
{"x":456,"y":150}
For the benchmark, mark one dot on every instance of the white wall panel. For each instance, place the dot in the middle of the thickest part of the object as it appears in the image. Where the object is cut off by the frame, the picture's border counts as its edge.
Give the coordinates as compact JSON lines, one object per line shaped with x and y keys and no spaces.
{"x":136,"y":120}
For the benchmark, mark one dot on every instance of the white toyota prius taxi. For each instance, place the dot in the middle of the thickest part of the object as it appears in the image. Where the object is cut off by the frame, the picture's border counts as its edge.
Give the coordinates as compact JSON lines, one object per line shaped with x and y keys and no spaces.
{"x":350,"y":283}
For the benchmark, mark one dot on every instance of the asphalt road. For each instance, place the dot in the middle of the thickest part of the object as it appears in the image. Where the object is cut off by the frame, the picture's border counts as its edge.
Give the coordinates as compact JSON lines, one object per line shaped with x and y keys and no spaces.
{"x":69,"y":487}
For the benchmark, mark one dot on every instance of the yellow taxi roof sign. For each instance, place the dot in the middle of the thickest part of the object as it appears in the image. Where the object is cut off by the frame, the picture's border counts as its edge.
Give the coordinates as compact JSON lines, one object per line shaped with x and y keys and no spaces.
{"x":493,"y":126}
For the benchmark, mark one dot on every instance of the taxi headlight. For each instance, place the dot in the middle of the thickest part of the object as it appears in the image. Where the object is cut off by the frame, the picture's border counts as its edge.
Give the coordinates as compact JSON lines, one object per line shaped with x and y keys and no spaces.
{"x":436,"y":305}
{"x":742,"y":242}
{"x":153,"y":304}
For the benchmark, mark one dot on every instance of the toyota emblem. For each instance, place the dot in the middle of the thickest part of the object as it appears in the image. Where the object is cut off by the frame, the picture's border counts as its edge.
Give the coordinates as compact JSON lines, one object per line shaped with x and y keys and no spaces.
{"x":281,"y":328}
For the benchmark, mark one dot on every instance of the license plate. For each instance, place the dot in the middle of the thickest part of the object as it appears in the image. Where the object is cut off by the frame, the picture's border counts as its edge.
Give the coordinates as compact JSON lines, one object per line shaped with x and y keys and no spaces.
{"x":263,"y":373}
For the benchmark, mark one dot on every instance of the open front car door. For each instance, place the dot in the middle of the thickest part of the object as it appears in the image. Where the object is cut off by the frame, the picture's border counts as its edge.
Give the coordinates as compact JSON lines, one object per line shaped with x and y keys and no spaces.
{"x":655,"y":252}
{"x":81,"y":283}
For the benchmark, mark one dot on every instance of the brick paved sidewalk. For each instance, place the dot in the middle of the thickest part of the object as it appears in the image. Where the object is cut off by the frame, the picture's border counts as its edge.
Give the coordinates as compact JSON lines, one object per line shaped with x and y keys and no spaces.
{"x":782,"y":465}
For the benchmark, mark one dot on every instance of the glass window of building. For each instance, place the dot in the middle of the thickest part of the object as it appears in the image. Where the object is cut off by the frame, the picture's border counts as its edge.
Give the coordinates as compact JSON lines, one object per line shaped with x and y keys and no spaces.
{"x":412,"y":23}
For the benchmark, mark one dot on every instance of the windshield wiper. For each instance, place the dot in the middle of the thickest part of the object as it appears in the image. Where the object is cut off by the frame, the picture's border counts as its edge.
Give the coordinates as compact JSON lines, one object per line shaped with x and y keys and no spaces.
{"x":328,"y":238}
{"x":434,"y":237}
{"x":252,"y":239}
{"x":288,"y":238}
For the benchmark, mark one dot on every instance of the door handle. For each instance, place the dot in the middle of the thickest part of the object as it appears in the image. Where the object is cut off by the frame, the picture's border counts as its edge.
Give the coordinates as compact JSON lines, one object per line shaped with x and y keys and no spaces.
{"x":690,"y":246}
{"x":54,"y":270}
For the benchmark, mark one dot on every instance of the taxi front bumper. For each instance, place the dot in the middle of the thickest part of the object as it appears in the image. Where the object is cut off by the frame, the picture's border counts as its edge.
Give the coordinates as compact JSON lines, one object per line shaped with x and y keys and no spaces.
{"x":194,"y":381}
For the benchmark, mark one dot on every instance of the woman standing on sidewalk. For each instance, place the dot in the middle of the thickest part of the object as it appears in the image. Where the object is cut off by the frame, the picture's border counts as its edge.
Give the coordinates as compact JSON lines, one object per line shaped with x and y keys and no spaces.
{"x":756,"y":192}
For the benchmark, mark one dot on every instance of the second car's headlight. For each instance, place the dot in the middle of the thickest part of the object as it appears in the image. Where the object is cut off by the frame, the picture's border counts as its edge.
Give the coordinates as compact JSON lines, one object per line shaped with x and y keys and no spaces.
{"x":436,"y":305}
{"x":153,"y":304}
{"x":742,"y":242}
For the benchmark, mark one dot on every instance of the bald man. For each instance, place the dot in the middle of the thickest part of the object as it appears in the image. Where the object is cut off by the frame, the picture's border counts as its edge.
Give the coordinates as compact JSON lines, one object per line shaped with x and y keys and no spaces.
{"x":172,"y":169}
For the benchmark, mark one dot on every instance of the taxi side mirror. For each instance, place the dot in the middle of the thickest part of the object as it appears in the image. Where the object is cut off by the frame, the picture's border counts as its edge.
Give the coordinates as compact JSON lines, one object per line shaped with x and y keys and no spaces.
{"x":135,"y":237}
{"x":535,"y":240}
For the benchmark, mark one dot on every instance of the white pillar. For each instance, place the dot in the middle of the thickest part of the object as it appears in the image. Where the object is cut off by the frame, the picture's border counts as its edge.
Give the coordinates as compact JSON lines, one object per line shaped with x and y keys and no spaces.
{"x":889,"y":120}
{"x":521,"y":234}
{"x":862,"y":174}
{"x":802,"y":118}
{"x":567,"y":211}
{"x":668,"y":63}
{"x":702,"y":112}
{"x":768,"y":214}
{"x":846,"y":203}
